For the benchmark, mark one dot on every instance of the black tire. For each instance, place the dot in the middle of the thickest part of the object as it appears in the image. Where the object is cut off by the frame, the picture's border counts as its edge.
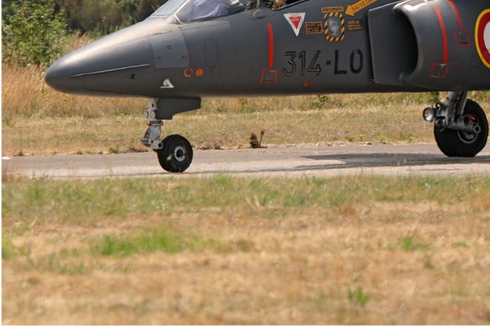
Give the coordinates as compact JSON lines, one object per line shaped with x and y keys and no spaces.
{"x":455,"y":143}
{"x":176,"y":154}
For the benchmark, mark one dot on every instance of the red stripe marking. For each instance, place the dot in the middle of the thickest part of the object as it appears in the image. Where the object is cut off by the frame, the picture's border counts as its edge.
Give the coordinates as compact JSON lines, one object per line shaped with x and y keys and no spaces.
{"x":271,"y":45}
{"x":443,"y":32}
{"x":456,"y":12}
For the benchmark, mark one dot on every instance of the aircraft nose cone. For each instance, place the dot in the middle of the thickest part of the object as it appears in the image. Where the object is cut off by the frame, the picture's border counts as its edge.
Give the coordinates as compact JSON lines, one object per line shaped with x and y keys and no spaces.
{"x":104,"y":67}
{"x":61,"y":76}
{"x":114,"y":65}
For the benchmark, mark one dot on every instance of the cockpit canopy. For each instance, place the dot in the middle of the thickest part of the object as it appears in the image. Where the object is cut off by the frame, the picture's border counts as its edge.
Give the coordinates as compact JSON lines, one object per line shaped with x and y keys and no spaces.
{"x":191,"y":10}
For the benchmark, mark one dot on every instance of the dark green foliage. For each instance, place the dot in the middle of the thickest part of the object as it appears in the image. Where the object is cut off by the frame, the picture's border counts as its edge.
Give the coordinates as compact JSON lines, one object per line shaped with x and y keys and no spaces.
{"x":100,"y":17}
{"x":97,"y":17}
{"x":33,"y":33}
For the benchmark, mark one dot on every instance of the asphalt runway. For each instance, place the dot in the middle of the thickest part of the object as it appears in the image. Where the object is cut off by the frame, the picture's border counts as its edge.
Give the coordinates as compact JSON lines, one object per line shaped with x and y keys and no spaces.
{"x":294,"y":161}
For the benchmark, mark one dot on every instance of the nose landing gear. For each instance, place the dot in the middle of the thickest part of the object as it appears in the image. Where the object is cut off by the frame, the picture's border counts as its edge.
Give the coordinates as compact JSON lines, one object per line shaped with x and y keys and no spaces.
{"x":174,"y":152}
{"x":460,"y":125}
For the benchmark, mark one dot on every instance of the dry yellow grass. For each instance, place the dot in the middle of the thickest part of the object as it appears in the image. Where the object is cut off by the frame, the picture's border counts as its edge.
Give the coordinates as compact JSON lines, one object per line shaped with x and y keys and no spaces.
{"x":343,"y":256}
{"x":296,"y":269}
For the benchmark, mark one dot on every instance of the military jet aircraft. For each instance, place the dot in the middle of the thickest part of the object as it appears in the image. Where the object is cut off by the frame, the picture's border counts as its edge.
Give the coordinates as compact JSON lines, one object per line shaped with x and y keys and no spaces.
{"x":191,"y":49}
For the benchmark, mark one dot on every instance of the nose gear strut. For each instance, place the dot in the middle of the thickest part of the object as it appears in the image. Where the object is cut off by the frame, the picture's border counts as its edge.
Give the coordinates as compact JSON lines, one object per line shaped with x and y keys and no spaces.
{"x":152,"y":135}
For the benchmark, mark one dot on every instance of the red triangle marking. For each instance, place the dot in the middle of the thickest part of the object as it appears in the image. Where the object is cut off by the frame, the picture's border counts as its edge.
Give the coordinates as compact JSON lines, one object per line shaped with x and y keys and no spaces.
{"x":295,"y":20}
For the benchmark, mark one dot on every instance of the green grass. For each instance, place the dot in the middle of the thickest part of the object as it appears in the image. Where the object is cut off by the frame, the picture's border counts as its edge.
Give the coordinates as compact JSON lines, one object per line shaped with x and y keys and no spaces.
{"x":147,"y":243}
{"x":77,"y":201}
{"x":411,"y":244}
{"x":8,"y":248}
{"x":357,"y":296}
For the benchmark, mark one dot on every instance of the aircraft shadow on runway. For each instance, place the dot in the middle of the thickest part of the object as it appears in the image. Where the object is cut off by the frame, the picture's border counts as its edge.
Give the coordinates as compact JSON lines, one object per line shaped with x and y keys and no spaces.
{"x":370,"y":160}
{"x":363,"y":160}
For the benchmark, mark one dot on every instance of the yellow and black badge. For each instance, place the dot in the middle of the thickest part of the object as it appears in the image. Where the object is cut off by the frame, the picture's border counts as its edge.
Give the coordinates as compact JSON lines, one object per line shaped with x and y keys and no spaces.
{"x":334,"y":26}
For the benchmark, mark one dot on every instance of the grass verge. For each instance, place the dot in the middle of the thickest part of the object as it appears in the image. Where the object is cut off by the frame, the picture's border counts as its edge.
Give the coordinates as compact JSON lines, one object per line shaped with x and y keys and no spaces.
{"x":246,"y":250}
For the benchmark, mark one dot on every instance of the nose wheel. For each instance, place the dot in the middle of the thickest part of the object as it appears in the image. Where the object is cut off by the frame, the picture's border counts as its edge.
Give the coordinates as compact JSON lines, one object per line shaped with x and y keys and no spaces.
{"x":176,"y":154}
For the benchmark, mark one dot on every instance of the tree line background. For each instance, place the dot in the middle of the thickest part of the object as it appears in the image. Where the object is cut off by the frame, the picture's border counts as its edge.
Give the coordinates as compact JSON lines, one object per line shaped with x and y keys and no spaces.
{"x":34,"y":31}
{"x":98,"y":17}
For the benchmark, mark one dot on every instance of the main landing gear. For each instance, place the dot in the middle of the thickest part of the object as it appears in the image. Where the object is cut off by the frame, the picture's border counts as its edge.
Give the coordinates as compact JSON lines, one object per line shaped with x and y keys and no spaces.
{"x":460,"y":125}
{"x":174,"y":152}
